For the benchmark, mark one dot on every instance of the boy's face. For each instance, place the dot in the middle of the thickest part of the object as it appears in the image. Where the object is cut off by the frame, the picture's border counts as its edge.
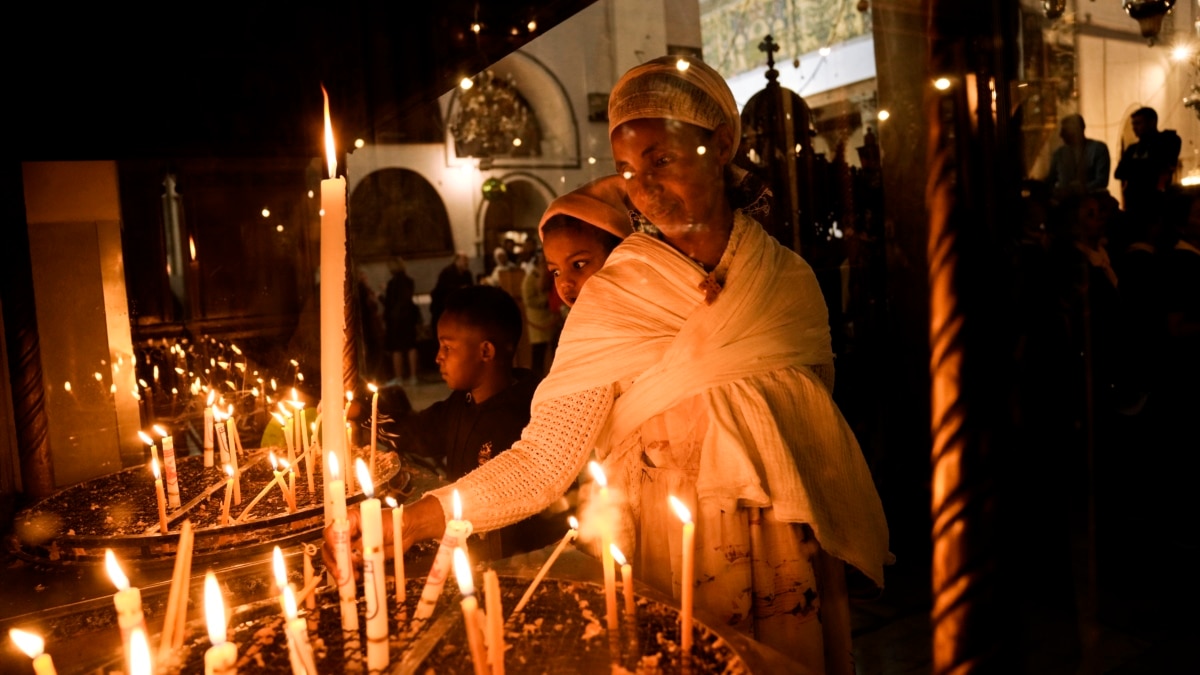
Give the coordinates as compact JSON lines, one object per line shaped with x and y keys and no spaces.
{"x":572,"y":258}
{"x":462,"y":353}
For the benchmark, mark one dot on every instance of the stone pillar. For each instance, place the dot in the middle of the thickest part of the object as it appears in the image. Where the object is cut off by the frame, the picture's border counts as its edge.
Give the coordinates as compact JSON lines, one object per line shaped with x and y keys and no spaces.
{"x":87,"y":360}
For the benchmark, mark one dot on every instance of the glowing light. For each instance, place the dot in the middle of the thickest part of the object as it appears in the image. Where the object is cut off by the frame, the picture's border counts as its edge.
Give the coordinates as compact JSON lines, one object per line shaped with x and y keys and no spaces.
{"x":214,"y":610}
{"x":266,"y":213}
{"x":616,"y":554}
{"x":279,"y":227}
{"x":941,"y":84}
{"x":114,"y":570}
{"x":154,"y":468}
{"x":680,"y":510}
{"x":591,"y":160}
{"x":289,"y":602}
{"x":330,"y":152}
{"x":682,"y":65}
{"x":466,"y":83}
{"x":516,"y":142}
{"x":627,"y":175}
{"x":310,"y":194}
{"x":700,"y":149}
{"x":192,"y":245}
{"x":1181,"y":52}
{"x":456,"y":505}
{"x":33,"y":645}
{"x":882,"y":115}
{"x":67,"y":385}
{"x":364,"y":478}
{"x":532,"y":26}
{"x":462,"y":571}
{"x":597,"y":472}
{"x":145,"y":438}
{"x":391,"y":502}
{"x":279,"y":568}
{"x":824,"y":51}
{"x":358,"y":142}
{"x":476,"y":27}
{"x":573,"y":522}
{"x":139,"y":653}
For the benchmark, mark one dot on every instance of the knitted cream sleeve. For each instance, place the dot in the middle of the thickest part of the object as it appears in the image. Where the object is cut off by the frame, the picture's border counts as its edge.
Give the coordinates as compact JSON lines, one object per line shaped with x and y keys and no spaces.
{"x":539,"y":468}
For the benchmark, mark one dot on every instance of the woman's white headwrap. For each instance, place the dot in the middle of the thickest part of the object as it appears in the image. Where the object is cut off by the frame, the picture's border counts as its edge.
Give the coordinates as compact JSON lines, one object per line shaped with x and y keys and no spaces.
{"x":660,"y":89}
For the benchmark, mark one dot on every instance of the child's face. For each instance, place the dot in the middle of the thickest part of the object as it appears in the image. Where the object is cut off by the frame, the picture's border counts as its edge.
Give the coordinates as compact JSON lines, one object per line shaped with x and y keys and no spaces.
{"x":460,"y":356}
{"x":572,"y":258}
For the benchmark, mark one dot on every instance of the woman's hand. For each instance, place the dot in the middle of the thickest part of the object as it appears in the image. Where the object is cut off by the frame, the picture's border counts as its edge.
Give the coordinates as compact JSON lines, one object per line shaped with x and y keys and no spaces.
{"x":422,"y":520}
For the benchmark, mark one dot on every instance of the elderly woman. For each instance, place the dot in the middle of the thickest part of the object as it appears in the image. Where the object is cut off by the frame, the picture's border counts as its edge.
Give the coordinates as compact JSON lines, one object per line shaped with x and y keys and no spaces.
{"x":697,"y":363}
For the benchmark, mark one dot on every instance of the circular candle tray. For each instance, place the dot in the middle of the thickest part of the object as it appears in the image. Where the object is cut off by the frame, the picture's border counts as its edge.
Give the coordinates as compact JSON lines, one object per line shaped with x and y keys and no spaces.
{"x":560,"y":630}
{"x":119,"y":511}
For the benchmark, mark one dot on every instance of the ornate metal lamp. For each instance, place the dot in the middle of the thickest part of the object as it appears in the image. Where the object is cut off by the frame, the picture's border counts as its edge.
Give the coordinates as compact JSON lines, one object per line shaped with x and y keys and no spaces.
{"x":1149,"y":15}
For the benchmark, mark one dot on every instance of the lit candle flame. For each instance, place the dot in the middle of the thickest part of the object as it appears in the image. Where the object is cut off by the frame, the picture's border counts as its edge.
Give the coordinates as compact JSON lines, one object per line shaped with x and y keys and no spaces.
{"x":143,"y":383}
{"x":333,"y":466}
{"x":114,"y":570}
{"x":229,"y":471}
{"x":139,"y":653}
{"x":235,"y":349}
{"x":214,"y":610}
{"x":616,"y":554}
{"x":158,"y":429}
{"x":274,"y":462}
{"x":598,"y":473}
{"x":33,"y":645}
{"x":278,"y":418}
{"x":462,"y":571}
{"x":391,"y":502}
{"x":280,"y":568}
{"x":330,"y":154}
{"x":145,"y":438}
{"x":154,"y":467}
{"x":284,"y":463}
{"x":573,"y":522}
{"x":364,"y":477}
{"x":456,"y":502}
{"x":212,"y":394}
{"x":349,"y":396}
{"x":680,"y":510}
{"x":289,"y":602}
{"x":372,"y":388}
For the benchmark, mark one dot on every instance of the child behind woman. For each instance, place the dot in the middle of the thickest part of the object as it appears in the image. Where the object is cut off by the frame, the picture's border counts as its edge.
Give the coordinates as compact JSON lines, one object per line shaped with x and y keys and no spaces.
{"x":580,"y":229}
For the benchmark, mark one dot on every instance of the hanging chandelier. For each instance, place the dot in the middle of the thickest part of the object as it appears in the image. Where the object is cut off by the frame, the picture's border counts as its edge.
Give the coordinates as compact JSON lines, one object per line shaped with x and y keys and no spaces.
{"x":1149,"y":15}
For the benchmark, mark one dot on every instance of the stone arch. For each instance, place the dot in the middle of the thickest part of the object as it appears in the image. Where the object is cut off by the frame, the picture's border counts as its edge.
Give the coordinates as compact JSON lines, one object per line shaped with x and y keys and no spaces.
{"x":513,"y":215}
{"x":397,"y":212}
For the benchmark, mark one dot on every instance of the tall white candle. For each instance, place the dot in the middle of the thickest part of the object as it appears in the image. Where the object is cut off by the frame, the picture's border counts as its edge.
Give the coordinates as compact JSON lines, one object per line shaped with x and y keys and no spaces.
{"x":374,"y":422}
{"x":208,"y":430}
{"x":347,"y":592}
{"x":562,"y":544}
{"x":687,"y":578}
{"x":333,"y":309}
{"x":221,"y":657}
{"x":296,"y":629}
{"x":470,"y":607}
{"x":455,"y":536}
{"x":374,"y":571}
{"x":495,"y":621}
{"x":398,"y":554}
{"x":222,"y":433}
{"x":128,"y":600}
{"x":33,"y":646}
{"x":172,"y":476}
{"x":626,"y":585}
{"x":606,"y":539}
{"x":162,"y":501}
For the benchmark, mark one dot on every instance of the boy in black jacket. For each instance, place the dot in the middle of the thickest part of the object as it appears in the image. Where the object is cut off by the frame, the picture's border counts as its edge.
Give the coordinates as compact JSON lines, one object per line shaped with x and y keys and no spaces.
{"x":478,"y":333}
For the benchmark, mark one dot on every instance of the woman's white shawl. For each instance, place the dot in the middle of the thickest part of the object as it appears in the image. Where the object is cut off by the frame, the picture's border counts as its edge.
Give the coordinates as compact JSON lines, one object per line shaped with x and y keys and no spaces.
{"x":774,"y":436}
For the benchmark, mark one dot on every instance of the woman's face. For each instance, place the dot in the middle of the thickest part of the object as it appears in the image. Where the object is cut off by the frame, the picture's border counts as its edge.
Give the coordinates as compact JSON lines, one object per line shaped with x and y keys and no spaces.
{"x":674,"y":171}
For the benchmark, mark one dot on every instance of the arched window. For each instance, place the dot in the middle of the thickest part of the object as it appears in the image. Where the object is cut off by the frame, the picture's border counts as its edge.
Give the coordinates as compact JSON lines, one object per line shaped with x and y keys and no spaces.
{"x":398,"y":213}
